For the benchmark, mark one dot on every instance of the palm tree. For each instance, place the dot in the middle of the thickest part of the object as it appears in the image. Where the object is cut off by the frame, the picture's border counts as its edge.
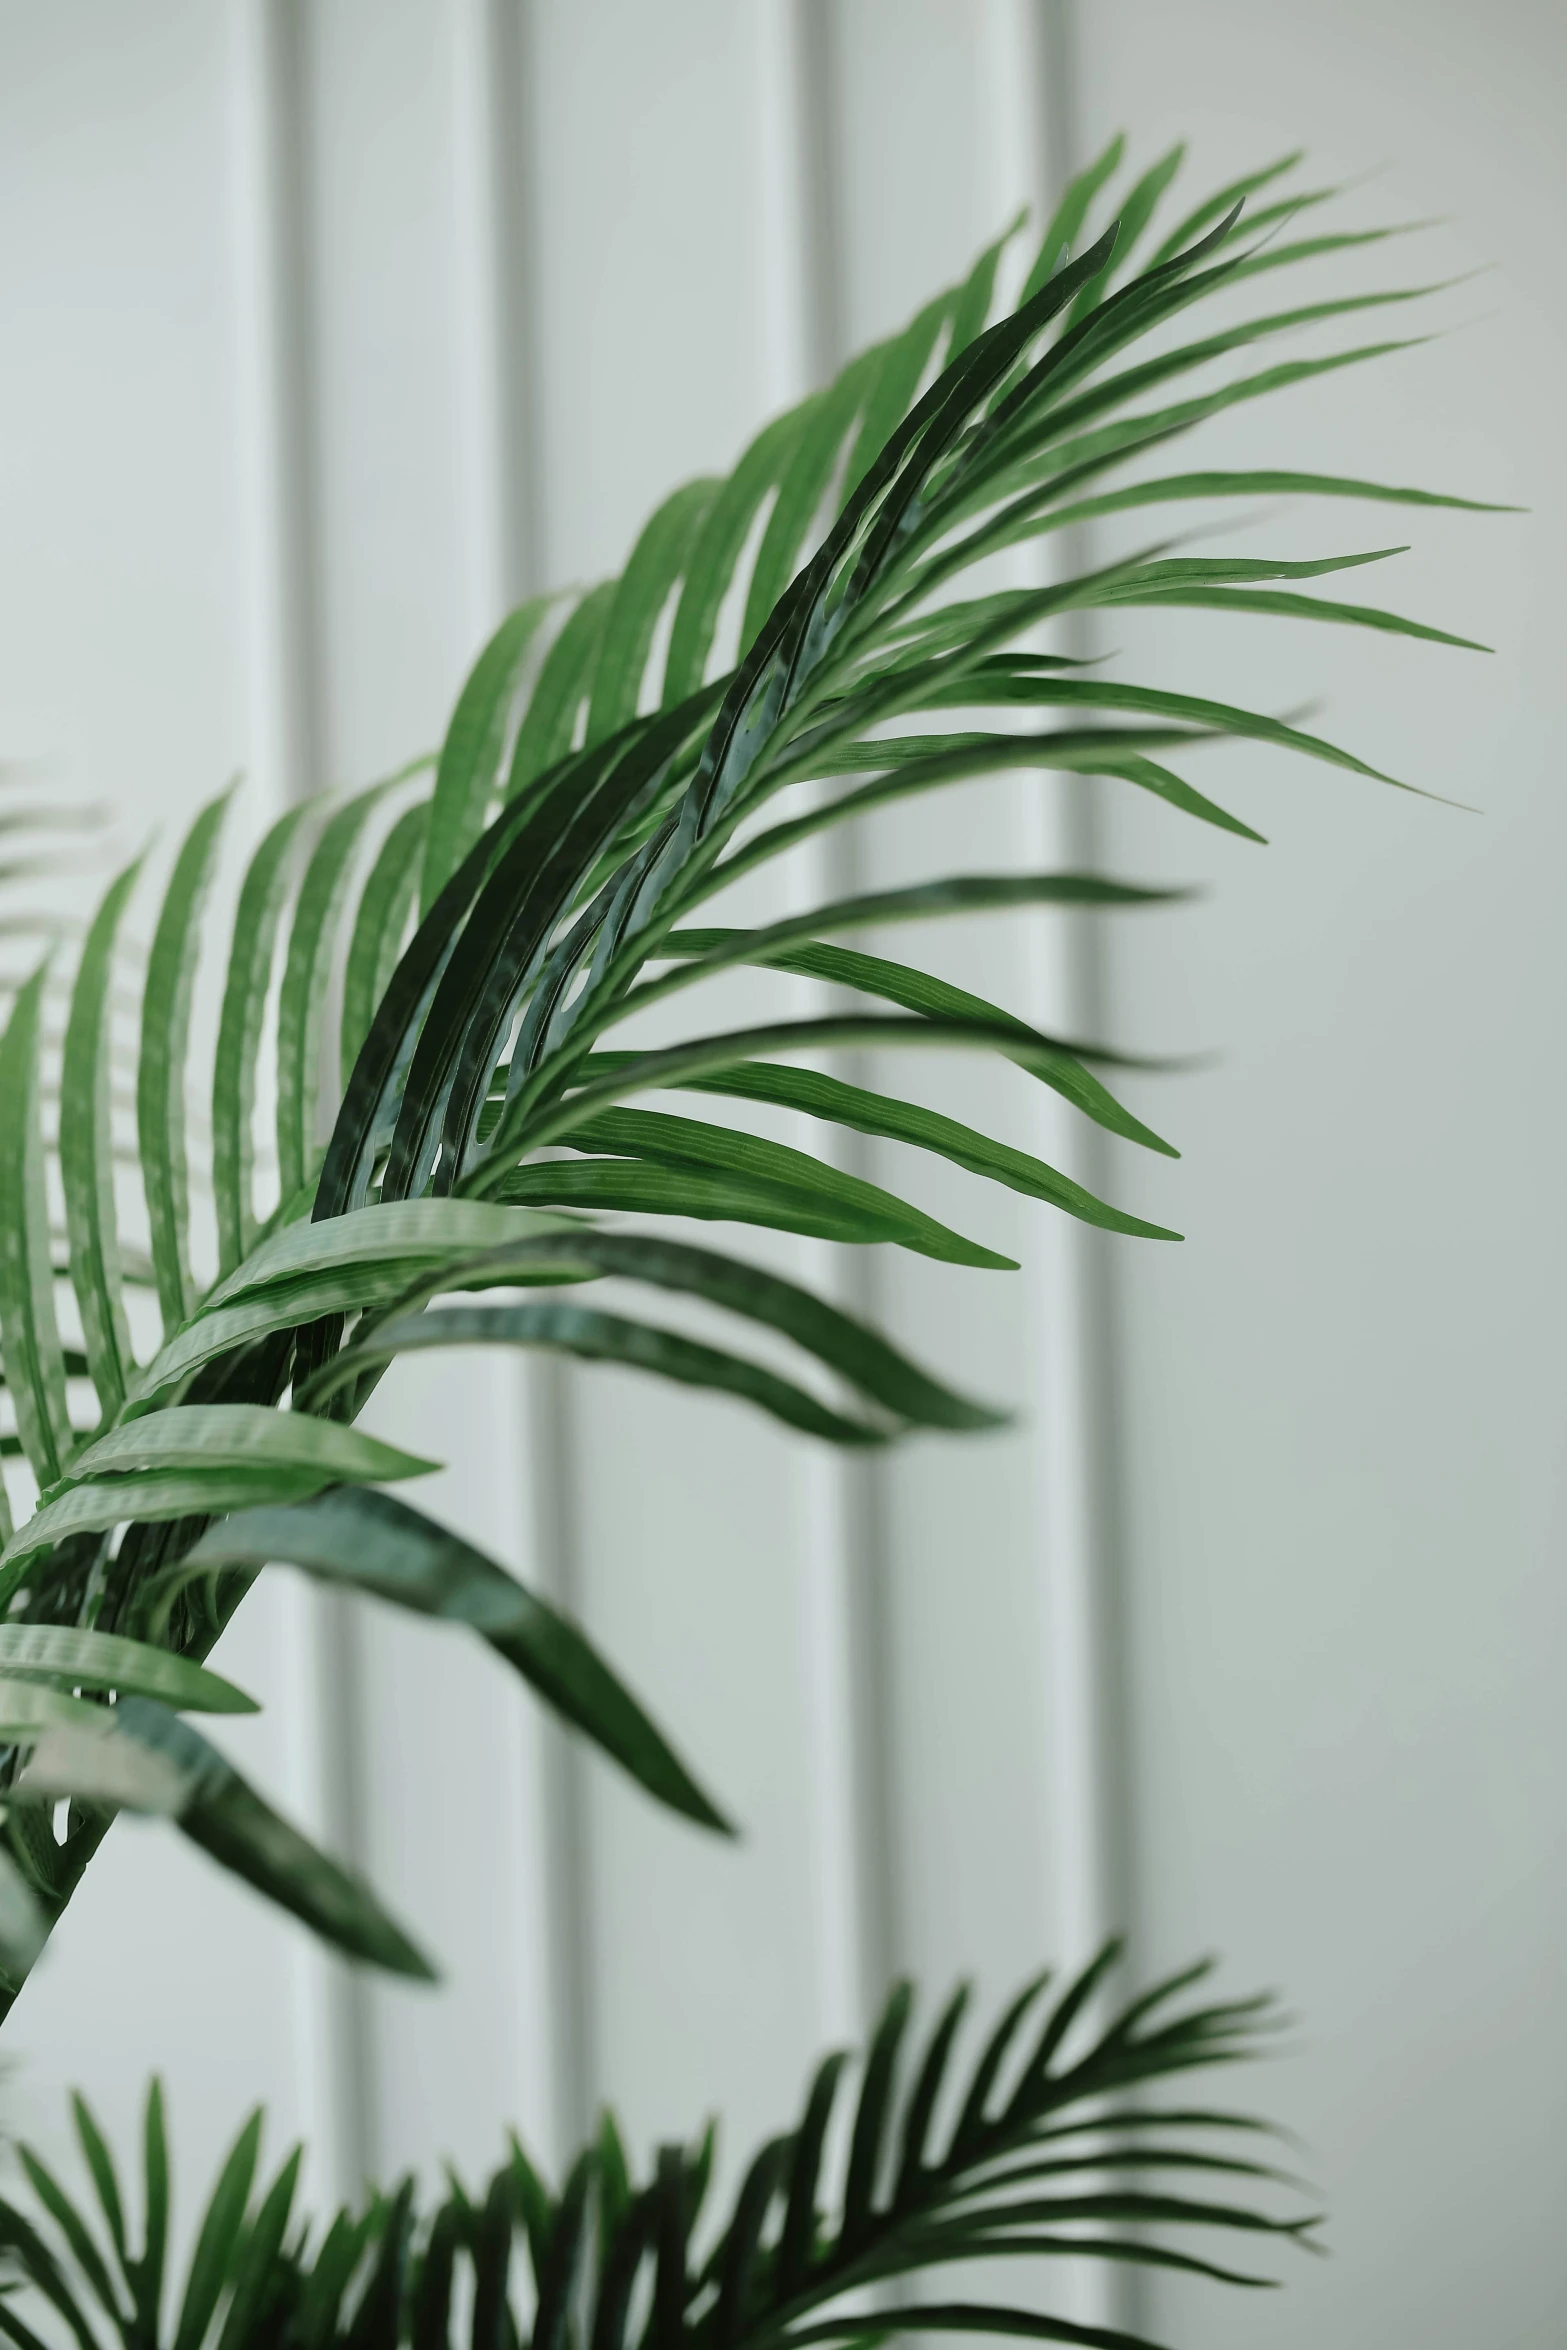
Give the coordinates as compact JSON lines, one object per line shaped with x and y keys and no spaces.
{"x":603,"y":782}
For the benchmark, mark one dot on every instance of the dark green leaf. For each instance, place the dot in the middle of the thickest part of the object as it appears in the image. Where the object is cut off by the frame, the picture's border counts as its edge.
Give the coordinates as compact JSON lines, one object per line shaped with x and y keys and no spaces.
{"x":226,"y":1817}
{"x":858,"y":1354}
{"x":678,"y":1065}
{"x":612,"y":1338}
{"x":77,"y":2234}
{"x":797,"y":2243}
{"x":253,"y":2277}
{"x":713,"y":1171}
{"x":568,"y":2245}
{"x":155,"y":2175}
{"x":816,"y":1095}
{"x":374,"y":1543}
{"x":218,"y":2236}
{"x":921,"y":2107}
{"x":100,"y":2163}
{"x":867,"y":2146}
{"x":375,"y":2323}
{"x":23,"y":2245}
{"x":432,"y":2296}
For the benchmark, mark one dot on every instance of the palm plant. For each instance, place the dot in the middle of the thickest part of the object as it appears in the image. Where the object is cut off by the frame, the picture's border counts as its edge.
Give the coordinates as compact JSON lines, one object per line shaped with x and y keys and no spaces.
{"x":1041,"y":2157}
{"x":615,"y":764}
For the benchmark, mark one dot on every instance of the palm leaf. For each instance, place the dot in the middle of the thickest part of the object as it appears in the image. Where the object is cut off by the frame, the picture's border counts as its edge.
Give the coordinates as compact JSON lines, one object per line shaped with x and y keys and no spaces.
{"x":160,"y":1076}
{"x":1059,"y":2146}
{"x":594,"y":795}
{"x":87,"y":1155}
{"x":29,"y":1332}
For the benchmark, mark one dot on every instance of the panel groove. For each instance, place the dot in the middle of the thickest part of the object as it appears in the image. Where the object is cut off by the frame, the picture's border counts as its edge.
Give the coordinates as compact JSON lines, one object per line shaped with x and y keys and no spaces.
{"x":335,"y":2085}
{"x":850,"y":1814}
{"x":560,"y":2034}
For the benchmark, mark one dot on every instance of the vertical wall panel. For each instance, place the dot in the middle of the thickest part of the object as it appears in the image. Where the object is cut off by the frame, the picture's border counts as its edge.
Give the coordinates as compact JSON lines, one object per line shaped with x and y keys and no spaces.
{"x":652,"y":334}
{"x":412,"y":554}
{"x":926,"y":182}
{"x":130,"y":582}
{"x":529,"y":263}
{"x":1343,"y":1397}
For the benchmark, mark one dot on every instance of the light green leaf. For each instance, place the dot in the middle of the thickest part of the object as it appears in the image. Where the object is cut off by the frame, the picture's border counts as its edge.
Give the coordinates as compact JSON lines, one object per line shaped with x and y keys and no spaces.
{"x":29,"y":1332}
{"x":27,"y":1709}
{"x":1181,"y":488}
{"x":1136,"y":209}
{"x":239,"y":1035}
{"x":471,"y":756}
{"x":250,"y":1437}
{"x":1223,"y":200}
{"x":302,"y":995}
{"x":901,"y":370}
{"x":87,"y":1155}
{"x":1066,"y":223}
{"x":160,"y":1076}
{"x":88,"y":1761}
{"x":146,"y":1497}
{"x":804,"y":483}
{"x":201,"y":1459}
{"x":107,"y":1660}
{"x":972,"y":305}
{"x":657,"y":562}
{"x":549,"y":723}
{"x":405,"y":1233}
{"x":284,"y":1305}
{"x":24,"y":1929}
{"x":373,"y":950}
{"x":711,"y":566}
{"x":1277,"y":605}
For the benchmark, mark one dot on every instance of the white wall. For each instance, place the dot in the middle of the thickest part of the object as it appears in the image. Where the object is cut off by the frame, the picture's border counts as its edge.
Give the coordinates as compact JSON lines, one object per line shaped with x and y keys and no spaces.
{"x":333,"y":329}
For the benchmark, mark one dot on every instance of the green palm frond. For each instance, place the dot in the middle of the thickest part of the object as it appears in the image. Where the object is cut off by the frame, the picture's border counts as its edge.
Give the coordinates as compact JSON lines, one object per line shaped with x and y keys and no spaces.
{"x":1051,"y":2148}
{"x":605,"y":781}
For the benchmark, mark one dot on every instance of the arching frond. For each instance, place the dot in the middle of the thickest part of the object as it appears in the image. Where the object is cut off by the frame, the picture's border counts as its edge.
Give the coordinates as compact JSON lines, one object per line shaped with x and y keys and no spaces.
{"x":1054,"y":2147}
{"x":837,"y":625}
